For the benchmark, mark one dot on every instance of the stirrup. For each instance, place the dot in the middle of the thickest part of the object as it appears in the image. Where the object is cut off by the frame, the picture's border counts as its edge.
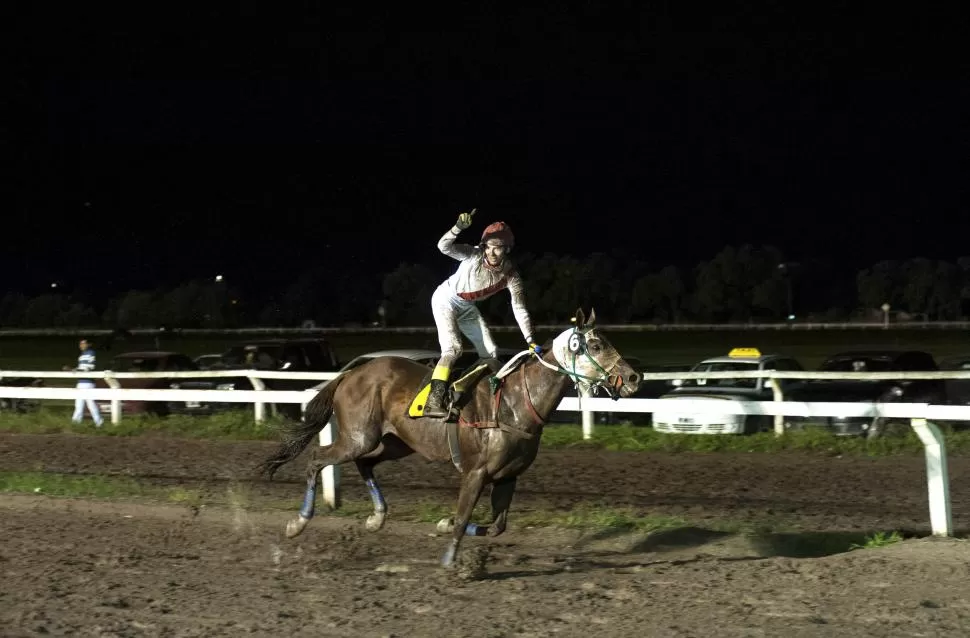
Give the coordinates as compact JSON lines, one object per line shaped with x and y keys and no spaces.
{"x":429,"y":411}
{"x":441,"y":397}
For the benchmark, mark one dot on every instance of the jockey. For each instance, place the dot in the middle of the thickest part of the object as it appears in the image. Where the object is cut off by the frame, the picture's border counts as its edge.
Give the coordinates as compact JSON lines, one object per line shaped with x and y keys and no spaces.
{"x":483,"y":271}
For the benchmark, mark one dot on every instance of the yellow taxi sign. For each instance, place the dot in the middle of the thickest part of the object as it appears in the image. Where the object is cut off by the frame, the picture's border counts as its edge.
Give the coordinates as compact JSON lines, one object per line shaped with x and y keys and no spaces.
{"x":744,"y":352}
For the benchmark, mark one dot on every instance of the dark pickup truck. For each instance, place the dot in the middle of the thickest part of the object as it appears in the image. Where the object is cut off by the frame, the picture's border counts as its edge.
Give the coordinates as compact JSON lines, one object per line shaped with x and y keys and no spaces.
{"x":291,"y":355}
{"x":651,"y":389}
{"x":872,"y":391}
{"x":146,"y":361}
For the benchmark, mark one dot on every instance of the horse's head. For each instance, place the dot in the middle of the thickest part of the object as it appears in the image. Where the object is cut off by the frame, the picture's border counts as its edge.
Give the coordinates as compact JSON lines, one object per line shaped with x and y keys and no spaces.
{"x":591,"y":361}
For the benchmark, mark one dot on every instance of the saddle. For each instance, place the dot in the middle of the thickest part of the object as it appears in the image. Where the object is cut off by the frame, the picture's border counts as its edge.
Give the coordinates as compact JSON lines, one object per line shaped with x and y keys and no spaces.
{"x":458,"y":390}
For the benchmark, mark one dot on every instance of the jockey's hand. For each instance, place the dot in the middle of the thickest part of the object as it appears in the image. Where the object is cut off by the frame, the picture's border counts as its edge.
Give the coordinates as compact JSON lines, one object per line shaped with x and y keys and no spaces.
{"x":465,"y":220}
{"x":535,"y":348}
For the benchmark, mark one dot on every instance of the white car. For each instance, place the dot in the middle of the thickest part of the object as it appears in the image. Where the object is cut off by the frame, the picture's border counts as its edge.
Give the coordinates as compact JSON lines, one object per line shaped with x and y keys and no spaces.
{"x":682,"y":420}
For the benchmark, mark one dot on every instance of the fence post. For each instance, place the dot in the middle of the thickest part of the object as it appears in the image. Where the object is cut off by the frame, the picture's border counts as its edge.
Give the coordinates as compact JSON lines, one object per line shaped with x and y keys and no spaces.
{"x":937,"y":476}
{"x":778,"y":395}
{"x":115,"y":403}
{"x":259,"y":408}
{"x":583,"y":393}
{"x":330,"y":475}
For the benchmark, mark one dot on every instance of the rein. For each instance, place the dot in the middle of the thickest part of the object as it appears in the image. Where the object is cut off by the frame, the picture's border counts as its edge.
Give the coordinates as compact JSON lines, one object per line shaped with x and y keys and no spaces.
{"x":536,"y":418}
{"x":578,"y":349}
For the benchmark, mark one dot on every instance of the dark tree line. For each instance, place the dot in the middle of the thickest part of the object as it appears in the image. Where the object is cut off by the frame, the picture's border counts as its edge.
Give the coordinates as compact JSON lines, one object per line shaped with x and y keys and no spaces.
{"x":739,"y":284}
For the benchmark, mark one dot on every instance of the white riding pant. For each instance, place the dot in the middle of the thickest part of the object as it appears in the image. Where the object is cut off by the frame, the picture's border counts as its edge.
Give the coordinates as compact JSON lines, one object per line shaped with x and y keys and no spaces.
{"x":79,"y":404}
{"x":454,"y":317}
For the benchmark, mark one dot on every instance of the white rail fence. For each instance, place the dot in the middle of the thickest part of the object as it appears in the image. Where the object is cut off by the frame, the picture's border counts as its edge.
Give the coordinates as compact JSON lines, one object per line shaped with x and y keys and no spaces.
{"x":921,"y":415}
{"x":893,"y":324}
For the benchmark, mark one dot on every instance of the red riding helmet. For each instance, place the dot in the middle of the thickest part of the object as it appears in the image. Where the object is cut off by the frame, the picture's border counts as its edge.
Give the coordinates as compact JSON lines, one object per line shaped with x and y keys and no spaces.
{"x":499,"y":230}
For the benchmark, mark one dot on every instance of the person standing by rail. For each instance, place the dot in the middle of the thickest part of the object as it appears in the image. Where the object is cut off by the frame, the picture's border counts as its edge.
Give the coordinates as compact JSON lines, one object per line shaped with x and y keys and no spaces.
{"x":86,"y":362}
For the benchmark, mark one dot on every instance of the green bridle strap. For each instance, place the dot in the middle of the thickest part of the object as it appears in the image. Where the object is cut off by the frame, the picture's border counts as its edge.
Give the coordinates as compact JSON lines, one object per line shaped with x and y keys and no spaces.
{"x":584,"y":351}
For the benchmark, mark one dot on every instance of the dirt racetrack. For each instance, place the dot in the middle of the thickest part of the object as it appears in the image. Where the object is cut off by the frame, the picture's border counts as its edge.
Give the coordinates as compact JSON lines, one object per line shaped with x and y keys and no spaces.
{"x":126,"y":568}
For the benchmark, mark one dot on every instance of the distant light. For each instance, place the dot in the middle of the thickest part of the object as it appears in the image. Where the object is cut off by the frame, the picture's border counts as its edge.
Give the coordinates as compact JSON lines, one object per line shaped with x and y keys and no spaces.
{"x":791,"y":317}
{"x":218,"y":277}
{"x":54,"y":285}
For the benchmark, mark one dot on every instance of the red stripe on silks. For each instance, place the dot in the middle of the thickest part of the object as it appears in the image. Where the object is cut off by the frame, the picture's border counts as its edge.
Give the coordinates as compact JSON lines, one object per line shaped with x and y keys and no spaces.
{"x":484,"y":292}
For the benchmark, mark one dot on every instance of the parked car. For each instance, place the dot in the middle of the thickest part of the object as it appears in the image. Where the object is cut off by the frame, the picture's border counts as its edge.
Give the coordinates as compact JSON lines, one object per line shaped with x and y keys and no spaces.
{"x":292,"y":355}
{"x":868,"y":390}
{"x":20,"y":405}
{"x":656,"y":388}
{"x":652,"y":389}
{"x":145,"y":361}
{"x":208,"y":361}
{"x":423,"y":356}
{"x":957,"y":390}
{"x":678,"y":420}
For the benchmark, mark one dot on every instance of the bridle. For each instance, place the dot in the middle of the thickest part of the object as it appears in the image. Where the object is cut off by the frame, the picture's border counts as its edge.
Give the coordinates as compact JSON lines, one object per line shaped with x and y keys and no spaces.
{"x":576,"y":350}
{"x":574,"y":347}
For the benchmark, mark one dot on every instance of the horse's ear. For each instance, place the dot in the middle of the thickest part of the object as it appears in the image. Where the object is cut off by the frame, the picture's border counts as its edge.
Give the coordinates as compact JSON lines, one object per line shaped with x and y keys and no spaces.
{"x":580,"y":318}
{"x":592,"y":318}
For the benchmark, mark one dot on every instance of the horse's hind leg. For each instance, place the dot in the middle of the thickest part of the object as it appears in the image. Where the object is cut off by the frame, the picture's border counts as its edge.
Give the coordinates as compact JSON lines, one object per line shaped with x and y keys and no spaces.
{"x":376,"y":520}
{"x":501,"y":502}
{"x":295,"y":526}
{"x":390,"y":448}
{"x":342,"y":450}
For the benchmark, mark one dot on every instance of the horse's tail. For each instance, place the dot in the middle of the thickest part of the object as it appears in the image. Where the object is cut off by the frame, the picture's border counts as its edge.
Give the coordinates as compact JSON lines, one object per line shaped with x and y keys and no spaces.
{"x":298,"y":434}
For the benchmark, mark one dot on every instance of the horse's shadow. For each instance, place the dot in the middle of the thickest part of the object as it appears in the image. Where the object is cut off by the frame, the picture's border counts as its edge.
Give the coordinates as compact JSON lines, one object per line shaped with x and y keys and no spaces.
{"x":586,"y":557}
{"x":667,"y":547}
{"x":661,"y":540}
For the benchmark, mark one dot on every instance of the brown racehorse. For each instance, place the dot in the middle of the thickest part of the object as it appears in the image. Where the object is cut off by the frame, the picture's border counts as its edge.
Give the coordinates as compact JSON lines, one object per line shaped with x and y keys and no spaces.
{"x":370,"y":406}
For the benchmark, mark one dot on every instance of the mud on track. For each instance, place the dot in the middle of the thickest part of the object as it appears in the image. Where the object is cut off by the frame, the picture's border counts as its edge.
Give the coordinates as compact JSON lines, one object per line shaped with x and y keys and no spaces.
{"x":133,"y":569}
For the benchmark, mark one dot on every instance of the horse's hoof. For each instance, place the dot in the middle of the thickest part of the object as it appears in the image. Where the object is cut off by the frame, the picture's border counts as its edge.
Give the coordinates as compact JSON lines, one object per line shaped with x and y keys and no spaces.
{"x":374,"y":522}
{"x":448,"y":560}
{"x":445,"y":526}
{"x":295,"y":526}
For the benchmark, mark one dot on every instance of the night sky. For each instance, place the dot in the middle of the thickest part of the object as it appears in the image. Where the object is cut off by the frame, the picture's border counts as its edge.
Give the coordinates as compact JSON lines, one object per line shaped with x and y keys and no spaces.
{"x":151,"y":148}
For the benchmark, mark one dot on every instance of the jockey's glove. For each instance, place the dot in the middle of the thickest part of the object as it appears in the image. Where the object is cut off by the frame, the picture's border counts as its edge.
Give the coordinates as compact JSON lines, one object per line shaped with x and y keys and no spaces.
{"x":465,"y":220}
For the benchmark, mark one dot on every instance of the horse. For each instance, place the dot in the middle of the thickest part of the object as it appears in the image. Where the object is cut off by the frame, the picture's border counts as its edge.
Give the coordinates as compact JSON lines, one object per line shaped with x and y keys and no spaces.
{"x":496,"y":439}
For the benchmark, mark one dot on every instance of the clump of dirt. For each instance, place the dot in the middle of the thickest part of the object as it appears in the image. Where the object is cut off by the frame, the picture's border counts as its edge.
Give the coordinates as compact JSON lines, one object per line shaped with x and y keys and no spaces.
{"x":472,"y":563}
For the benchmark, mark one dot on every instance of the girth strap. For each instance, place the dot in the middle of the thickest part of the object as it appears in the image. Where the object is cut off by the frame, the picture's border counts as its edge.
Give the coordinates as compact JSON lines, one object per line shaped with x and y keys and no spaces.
{"x":452,"y":426}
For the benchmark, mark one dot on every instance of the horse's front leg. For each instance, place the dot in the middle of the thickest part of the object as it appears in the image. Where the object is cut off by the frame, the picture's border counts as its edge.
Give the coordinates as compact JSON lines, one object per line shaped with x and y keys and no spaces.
{"x":501,"y":502}
{"x":471,"y":490}
{"x":502,"y":493}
